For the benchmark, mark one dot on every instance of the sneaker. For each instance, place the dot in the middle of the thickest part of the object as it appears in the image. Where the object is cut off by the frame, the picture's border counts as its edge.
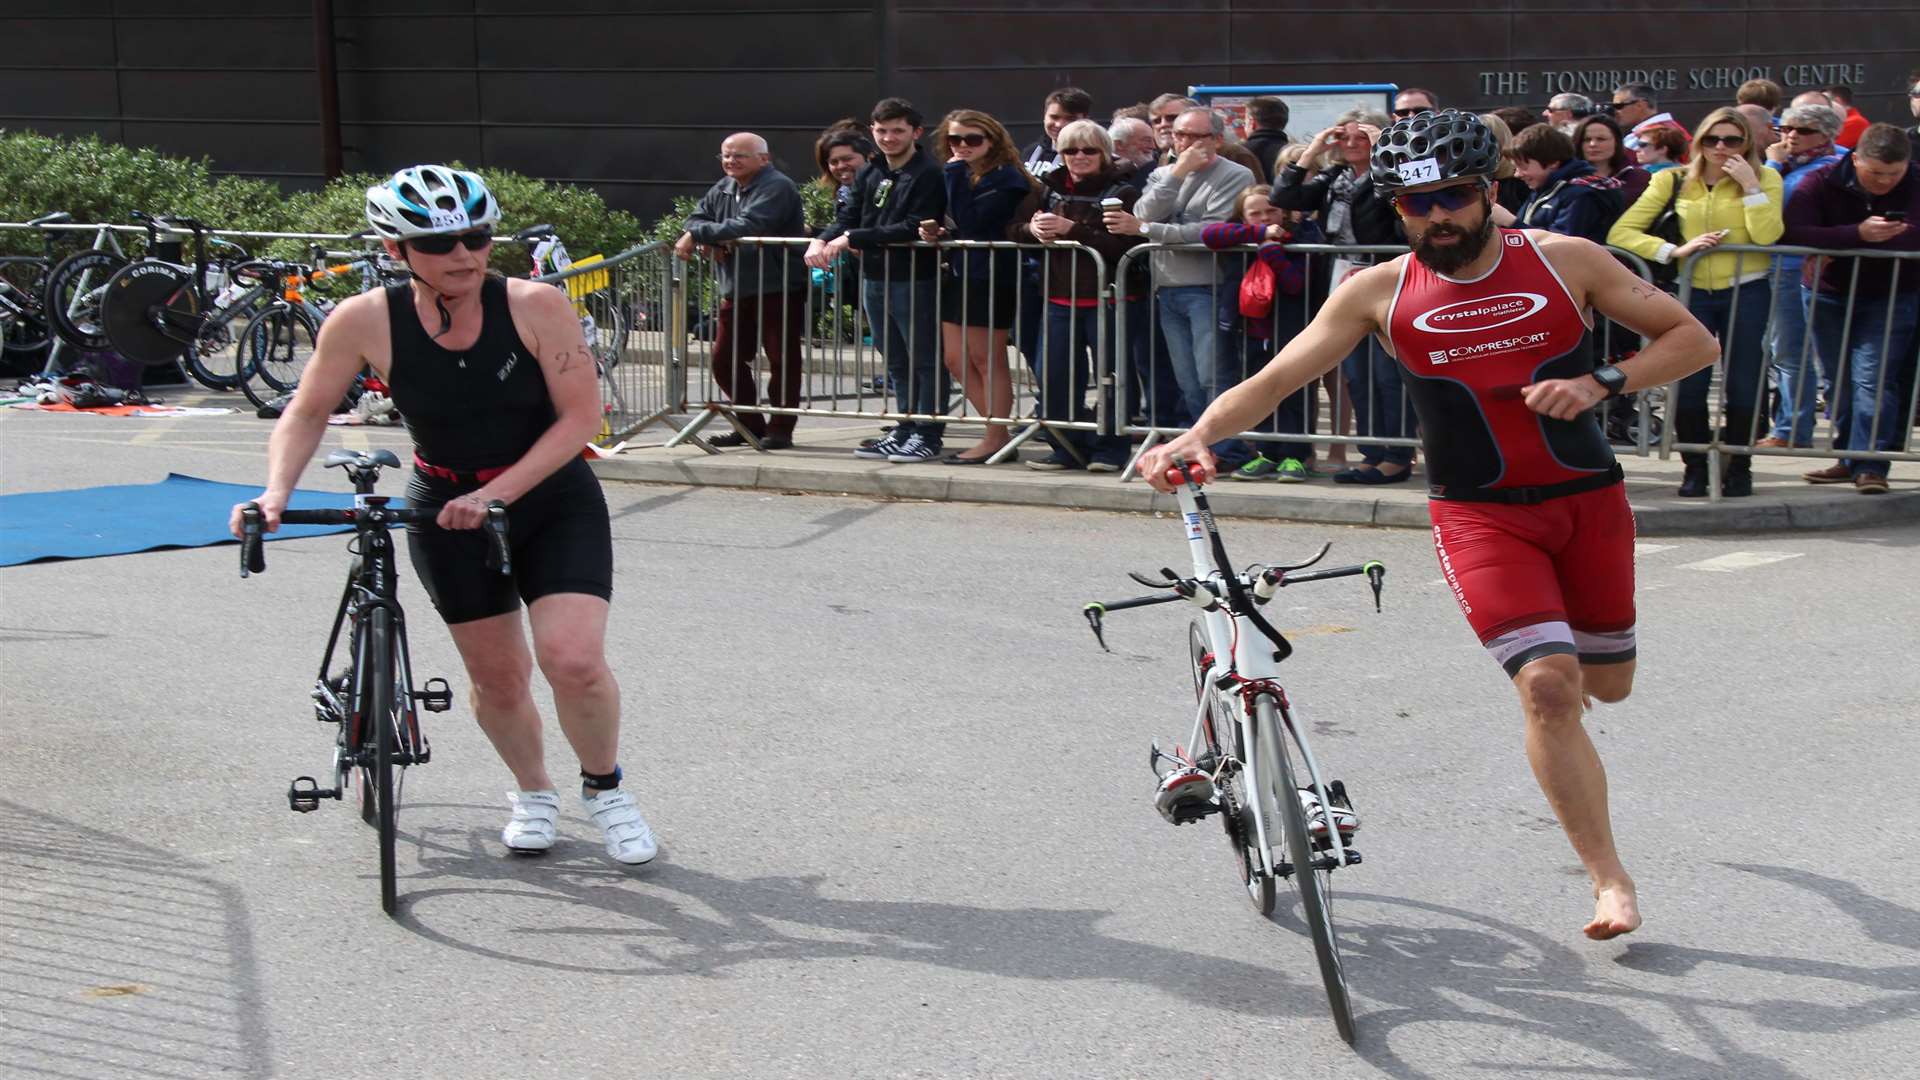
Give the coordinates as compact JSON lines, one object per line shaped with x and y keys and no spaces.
{"x":531,"y":829}
{"x":1184,"y":795}
{"x":629,"y":838}
{"x":912,"y":449}
{"x":1343,"y":817}
{"x":1057,"y":461}
{"x":1291,"y":471}
{"x":1106,"y":465}
{"x":1260,"y":468}
{"x":878,"y":451}
{"x":728,"y":441}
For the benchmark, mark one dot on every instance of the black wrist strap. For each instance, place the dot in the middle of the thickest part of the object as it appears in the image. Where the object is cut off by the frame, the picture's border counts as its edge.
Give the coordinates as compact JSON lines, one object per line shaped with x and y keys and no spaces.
{"x":600,"y":781}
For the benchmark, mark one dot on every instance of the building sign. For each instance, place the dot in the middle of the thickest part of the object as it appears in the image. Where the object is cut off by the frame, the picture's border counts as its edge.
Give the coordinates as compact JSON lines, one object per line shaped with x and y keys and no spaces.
{"x":1599,"y":82}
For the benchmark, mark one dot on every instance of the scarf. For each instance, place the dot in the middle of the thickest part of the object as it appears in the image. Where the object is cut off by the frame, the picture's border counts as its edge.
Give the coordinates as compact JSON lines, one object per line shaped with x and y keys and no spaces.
{"x":1339,"y":218}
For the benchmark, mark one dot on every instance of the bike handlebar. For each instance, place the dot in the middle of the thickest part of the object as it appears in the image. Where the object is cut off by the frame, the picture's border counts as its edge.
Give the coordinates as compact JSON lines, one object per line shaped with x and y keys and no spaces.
{"x":253,"y":556}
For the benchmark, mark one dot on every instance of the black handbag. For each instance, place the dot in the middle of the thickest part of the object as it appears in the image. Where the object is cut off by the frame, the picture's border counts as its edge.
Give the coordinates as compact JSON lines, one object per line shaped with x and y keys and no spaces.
{"x":1666,"y":226}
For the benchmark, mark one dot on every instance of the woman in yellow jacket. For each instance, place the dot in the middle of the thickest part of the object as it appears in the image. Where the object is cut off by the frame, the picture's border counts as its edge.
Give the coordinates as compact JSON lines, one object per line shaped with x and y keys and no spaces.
{"x":1724,"y":196}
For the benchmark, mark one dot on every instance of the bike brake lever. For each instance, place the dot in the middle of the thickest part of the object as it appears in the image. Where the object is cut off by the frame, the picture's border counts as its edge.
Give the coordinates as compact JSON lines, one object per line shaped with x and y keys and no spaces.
{"x":1093,"y":613}
{"x":1168,"y":582}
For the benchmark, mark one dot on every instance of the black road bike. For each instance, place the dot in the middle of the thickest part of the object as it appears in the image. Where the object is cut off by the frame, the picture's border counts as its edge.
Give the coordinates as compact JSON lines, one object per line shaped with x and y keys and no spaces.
{"x":370,"y":701}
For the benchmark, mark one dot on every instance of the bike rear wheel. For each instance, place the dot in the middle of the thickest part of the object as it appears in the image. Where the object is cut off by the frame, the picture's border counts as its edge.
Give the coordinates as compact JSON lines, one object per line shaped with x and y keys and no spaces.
{"x":383,"y":712}
{"x":274,"y":348}
{"x":1221,"y":730}
{"x":150,"y":312}
{"x":23,"y":319}
{"x":1312,"y":872}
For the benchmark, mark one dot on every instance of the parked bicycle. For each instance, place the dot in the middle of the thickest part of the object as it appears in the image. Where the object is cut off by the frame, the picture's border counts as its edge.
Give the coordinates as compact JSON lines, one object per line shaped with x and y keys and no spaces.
{"x":1244,"y":758}
{"x":591,"y":292}
{"x":160,"y":308}
{"x":24,"y":326}
{"x":272,"y":349}
{"x":371,"y":702}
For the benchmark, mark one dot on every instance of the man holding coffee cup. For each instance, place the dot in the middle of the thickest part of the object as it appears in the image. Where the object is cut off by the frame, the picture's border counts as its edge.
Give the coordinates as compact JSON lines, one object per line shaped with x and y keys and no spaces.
{"x":1179,"y":200}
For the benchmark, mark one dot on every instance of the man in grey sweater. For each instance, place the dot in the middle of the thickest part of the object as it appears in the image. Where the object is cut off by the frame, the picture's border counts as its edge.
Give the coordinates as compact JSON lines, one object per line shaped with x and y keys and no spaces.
{"x":763,"y":288}
{"x":1180,"y":199}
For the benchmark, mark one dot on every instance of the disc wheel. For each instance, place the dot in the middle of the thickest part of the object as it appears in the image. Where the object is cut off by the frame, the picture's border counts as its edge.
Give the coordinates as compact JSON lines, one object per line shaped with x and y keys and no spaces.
{"x":273,"y":350}
{"x":1222,"y":733}
{"x":150,"y":312}
{"x":74,"y":291}
{"x":1312,"y":870}
{"x":23,"y":317}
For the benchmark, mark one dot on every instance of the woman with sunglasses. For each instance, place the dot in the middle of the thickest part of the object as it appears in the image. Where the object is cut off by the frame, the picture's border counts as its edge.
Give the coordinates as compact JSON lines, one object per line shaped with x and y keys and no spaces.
{"x":499,"y":394}
{"x":1662,"y":148}
{"x":979,"y":290}
{"x":1068,"y":207}
{"x":1724,"y":196}
{"x":1807,"y":134}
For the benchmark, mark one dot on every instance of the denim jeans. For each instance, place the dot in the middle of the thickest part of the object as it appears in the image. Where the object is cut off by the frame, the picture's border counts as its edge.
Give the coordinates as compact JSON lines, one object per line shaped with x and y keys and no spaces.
{"x":1067,"y":367}
{"x":1868,"y":411}
{"x":1797,"y":373}
{"x":1738,"y":317}
{"x":1188,"y":319}
{"x":1379,"y":405}
{"x":903,"y":315}
{"x":1153,"y":394}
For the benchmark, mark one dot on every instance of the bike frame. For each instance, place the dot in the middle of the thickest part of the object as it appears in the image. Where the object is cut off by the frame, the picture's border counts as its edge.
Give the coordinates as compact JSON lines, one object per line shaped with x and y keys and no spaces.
{"x":1249,"y":675}
{"x":370,"y":586}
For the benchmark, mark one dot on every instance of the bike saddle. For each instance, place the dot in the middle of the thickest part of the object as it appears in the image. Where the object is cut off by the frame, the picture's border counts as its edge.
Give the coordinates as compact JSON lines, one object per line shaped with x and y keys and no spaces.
{"x":54,"y":218}
{"x":362,"y":458}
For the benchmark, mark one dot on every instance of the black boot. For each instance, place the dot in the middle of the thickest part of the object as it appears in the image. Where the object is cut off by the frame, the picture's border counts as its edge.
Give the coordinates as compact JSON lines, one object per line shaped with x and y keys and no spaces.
{"x":1693,"y":484}
{"x":1737,"y":480}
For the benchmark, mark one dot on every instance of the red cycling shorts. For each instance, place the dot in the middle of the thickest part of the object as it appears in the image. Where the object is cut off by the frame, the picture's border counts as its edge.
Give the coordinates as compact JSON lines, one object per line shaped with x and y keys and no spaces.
{"x":1554,"y":577}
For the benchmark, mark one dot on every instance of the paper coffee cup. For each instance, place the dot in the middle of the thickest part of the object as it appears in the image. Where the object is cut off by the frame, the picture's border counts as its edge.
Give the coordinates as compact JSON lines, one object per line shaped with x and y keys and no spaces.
{"x":1110,"y":205}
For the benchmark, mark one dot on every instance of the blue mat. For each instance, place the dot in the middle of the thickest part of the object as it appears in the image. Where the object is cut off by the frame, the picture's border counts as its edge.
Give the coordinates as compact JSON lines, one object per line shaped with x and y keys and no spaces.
{"x":178,"y":512}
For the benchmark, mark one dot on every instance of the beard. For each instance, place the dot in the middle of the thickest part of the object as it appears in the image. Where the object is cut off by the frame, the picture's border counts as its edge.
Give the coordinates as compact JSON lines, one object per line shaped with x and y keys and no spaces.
{"x":1467,"y":246}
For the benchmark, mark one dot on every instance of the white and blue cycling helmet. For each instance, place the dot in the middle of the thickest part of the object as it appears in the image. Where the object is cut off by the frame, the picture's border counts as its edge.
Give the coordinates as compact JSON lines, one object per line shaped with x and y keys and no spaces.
{"x":426,"y":200}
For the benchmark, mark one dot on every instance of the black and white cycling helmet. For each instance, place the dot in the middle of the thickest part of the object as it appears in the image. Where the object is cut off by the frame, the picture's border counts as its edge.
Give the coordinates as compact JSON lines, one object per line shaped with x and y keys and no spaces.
{"x":429,"y":199}
{"x":1433,"y":146}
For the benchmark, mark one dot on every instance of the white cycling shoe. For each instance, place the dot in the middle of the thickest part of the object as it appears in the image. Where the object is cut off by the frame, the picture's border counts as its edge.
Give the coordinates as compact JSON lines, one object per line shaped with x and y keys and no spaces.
{"x":629,"y":837}
{"x":1344,"y":819}
{"x":532,"y":827}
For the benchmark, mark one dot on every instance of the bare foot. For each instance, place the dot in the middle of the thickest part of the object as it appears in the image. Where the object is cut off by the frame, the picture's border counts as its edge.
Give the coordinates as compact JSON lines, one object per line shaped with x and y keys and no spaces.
{"x":1616,"y":911}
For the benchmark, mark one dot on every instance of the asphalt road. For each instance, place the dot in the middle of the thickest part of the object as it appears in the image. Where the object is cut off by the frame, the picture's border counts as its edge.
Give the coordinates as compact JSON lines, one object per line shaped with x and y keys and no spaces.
{"x":906,"y":821}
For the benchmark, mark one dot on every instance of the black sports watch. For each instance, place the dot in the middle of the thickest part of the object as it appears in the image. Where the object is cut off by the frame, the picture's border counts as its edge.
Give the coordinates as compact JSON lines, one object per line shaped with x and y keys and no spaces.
{"x":1610,"y":378}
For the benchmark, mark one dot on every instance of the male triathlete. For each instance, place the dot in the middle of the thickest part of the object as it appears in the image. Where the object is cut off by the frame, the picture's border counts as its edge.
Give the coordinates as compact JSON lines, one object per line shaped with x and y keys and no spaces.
{"x":499,"y":394}
{"x":1529,"y":516}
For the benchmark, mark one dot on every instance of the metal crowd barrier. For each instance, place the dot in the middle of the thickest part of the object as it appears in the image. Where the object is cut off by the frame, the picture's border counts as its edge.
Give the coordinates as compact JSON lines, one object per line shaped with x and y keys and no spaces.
{"x":1822,"y":346}
{"x":631,"y":309}
{"x":819,"y":342}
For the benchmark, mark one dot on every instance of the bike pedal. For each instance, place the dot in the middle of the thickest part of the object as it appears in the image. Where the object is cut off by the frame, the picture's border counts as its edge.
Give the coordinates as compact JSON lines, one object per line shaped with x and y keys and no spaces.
{"x":305,"y":800}
{"x":435,"y":696}
{"x":1353,"y":857}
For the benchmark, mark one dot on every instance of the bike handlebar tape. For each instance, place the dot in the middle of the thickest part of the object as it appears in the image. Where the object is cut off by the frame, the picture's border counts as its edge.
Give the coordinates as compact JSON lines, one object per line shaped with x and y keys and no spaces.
{"x":499,"y":555}
{"x":253,"y":555}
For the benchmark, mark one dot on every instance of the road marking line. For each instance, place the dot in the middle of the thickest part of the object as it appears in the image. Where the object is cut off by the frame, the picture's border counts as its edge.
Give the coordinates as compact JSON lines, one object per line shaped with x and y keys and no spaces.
{"x":1740,"y":560}
{"x":158,"y":428}
{"x":1652,"y":549}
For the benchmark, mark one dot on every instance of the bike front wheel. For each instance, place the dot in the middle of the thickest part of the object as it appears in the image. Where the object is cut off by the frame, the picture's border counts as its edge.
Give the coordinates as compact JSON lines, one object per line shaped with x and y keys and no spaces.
{"x":383,"y":712}
{"x":1221,"y":730}
{"x":1312,"y":870}
{"x":274,"y":348}
{"x":23,"y":317}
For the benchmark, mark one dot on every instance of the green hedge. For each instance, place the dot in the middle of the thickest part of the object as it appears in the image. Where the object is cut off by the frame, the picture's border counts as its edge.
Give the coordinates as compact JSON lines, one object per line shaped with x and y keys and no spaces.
{"x":106,"y":182}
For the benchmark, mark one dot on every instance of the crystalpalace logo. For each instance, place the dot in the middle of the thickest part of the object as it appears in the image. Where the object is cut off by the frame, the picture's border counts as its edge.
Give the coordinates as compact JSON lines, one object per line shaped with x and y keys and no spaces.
{"x":1484,"y":313}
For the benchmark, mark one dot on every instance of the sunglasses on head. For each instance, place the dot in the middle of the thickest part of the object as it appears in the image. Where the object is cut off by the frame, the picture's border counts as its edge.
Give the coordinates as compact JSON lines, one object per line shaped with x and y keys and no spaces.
{"x":444,"y":245}
{"x":1731,"y":142}
{"x":972,"y":138}
{"x":1450,"y":199}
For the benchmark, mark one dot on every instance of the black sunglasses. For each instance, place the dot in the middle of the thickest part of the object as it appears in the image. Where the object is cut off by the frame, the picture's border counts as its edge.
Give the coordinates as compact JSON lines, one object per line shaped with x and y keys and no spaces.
{"x":444,"y":244}
{"x":1731,"y":142}
{"x":1076,"y":151}
{"x":970,"y":139}
{"x":1404,"y":113}
{"x":1451,"y":199}
{"x":1802,"y":130}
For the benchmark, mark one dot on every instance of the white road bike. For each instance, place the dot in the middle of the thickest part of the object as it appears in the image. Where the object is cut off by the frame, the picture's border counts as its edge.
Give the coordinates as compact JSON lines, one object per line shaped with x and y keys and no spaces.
{"x":1245,"y":754}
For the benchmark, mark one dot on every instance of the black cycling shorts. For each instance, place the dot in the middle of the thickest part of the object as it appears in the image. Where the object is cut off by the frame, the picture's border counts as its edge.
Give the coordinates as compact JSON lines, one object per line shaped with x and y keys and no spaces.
{"x":561,"y":537}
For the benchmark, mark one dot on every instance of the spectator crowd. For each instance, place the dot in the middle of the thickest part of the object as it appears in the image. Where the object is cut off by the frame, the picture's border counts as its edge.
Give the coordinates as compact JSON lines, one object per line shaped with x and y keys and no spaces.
{"x":922,"y":217}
